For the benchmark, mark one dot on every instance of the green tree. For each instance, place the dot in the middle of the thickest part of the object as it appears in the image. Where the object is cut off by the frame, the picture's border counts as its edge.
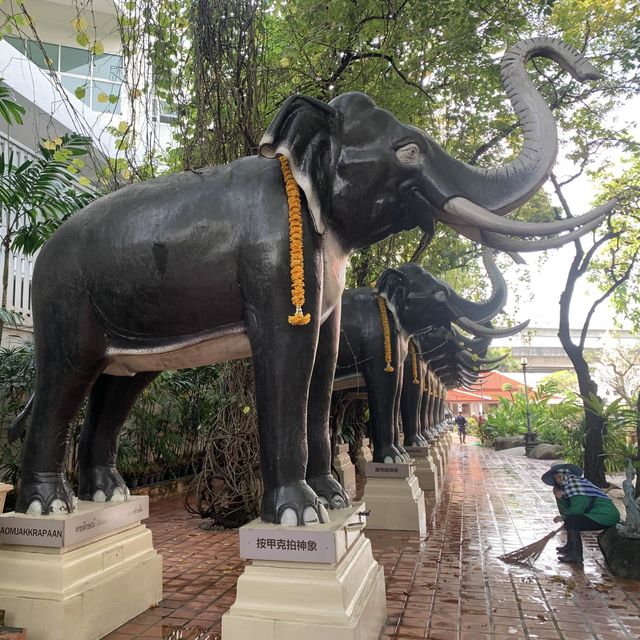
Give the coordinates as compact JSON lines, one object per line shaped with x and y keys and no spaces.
{"x":611,"y":263}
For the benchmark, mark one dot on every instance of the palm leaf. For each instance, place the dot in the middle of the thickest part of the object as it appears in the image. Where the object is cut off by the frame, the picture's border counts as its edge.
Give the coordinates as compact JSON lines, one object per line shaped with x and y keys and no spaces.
{"x":11,"y":318}
{"x":43,"y":191}
{"x":10,"y":110}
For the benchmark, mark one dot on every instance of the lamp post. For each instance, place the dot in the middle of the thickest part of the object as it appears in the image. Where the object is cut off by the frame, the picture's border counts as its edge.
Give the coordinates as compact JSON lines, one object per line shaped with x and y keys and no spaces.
{"x":530,"y":437}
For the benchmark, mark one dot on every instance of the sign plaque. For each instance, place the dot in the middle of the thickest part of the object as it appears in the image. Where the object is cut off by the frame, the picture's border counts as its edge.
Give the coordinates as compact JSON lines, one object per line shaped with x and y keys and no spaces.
{"x":90,"y":520}
{"x":321,"y":543}
{"x":391,"y":470}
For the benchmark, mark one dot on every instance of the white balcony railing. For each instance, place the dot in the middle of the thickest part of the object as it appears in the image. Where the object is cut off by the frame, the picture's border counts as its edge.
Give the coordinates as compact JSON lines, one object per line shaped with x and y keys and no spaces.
{"x":20,"y":266}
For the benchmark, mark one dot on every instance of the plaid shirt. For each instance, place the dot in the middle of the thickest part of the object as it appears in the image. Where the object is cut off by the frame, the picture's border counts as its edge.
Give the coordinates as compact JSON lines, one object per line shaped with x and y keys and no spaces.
{"x":574,"y":486}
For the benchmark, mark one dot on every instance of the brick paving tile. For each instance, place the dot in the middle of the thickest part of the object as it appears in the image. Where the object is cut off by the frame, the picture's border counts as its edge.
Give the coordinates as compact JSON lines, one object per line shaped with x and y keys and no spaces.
{"x":451,"y":586}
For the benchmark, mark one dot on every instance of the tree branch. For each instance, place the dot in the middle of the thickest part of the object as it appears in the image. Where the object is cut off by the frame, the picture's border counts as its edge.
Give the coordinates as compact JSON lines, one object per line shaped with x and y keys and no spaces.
{"x":616,"y":283}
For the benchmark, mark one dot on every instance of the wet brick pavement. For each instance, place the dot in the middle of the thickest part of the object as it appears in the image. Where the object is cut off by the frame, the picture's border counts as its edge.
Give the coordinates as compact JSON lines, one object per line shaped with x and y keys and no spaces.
{"x":450,"y":587}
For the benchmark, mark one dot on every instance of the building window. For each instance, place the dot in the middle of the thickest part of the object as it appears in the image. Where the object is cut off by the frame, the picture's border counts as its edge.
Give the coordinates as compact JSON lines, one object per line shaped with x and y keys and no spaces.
{"x":163,"y":113}
{"x":96,"y":80}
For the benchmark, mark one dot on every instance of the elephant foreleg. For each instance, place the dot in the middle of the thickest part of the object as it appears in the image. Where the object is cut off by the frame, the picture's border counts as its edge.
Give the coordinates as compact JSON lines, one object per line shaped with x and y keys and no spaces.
{"x":396,"y":414}
{"x":381,"y":389}
{"x":283,"y":357}
{"x":319,"y":475}
{"x":410,"y":409}
{"x":110,"y":402}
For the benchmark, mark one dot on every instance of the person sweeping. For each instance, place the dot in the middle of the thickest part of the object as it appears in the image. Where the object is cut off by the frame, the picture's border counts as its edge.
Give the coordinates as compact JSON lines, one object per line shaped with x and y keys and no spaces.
{"x":582,"y":507}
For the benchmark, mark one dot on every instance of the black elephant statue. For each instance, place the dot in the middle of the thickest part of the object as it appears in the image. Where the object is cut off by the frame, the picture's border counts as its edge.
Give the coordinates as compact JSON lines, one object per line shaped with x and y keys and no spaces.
{"x":374,"y":338}
{"x":445,"y":359}
{"x":194,"y":268}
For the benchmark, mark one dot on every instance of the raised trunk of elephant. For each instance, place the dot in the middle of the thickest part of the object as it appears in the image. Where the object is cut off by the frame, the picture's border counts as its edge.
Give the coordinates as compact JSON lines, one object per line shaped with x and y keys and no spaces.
{"x":503,"y":189}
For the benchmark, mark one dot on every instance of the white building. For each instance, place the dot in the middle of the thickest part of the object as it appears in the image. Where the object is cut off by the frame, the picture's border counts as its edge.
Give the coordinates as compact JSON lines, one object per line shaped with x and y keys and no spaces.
{"x":64,"y":88}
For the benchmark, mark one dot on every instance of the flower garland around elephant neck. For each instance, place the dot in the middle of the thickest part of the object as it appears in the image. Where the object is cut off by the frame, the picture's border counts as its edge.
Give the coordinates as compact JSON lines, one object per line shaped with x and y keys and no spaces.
{"x":386,"y":332}
{"x":296,"y":256}
{"x":414,"y":362}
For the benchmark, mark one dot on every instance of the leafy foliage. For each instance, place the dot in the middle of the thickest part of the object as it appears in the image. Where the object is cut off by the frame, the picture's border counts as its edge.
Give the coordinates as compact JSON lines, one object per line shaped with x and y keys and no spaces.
{"x":563,"y":423}
{"x":619,"y":421}
{"x":38,"y":195}
{"x":549,"y":418}
{"x":17,"y":374}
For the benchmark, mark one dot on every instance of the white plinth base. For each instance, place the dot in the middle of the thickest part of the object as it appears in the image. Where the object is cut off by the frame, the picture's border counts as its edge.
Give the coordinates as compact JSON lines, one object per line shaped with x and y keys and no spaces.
{"x":345,"y":469}
{"x":395,"y":504}
{"x":446,"y":443}
{"x":364,"y":456}
{"x":438,"y":460}
{"x":426,"y":470}
{"x":80,"y":593}
{"x":280,"y":600}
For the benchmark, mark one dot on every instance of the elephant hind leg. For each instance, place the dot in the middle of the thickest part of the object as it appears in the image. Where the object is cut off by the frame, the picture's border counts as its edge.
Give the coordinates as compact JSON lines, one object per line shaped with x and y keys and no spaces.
{"x":110,"y":402}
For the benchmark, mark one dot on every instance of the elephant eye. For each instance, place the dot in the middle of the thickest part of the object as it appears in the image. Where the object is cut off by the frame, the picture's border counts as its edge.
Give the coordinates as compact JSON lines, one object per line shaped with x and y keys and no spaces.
{"x":409,"y":154}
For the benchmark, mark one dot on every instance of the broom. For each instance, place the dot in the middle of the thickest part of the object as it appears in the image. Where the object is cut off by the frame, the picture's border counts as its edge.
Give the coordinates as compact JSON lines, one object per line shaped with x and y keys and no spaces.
{"x":531,"y":552}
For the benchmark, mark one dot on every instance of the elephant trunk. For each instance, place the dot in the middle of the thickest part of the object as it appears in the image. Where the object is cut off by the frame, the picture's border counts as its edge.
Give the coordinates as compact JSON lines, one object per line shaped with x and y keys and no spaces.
{"x":481,"y":312}
{"x":505,"y":188}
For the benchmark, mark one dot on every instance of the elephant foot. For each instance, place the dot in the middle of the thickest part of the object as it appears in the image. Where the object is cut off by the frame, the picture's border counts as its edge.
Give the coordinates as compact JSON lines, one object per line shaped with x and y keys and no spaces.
{"x":329,"y":491}
{"x":414,"y":441}
{"x":45,"y":493}
{"x":388,"y":455}
{"x":294,"y":504}
{"x":102,"y":484}
{"x":403,"y":452}
{"x":423,"y":441}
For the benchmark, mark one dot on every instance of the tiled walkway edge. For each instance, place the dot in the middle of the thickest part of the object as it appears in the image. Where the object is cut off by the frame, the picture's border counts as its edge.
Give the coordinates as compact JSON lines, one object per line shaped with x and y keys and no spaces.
{"x":451,"y":587}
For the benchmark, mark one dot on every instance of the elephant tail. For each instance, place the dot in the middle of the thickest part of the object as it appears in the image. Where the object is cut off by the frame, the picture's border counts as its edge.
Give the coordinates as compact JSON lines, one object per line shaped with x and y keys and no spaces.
{"x":18,"y":426}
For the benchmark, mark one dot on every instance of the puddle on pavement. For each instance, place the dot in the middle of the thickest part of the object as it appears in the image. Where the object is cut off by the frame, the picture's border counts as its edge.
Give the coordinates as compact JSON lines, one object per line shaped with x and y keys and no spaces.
{"x":170,"y":632}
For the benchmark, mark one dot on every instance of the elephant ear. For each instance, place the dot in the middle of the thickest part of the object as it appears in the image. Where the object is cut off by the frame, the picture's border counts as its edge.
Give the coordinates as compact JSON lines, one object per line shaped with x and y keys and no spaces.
{"x":303,"y":132}
{"x":391,"y":286}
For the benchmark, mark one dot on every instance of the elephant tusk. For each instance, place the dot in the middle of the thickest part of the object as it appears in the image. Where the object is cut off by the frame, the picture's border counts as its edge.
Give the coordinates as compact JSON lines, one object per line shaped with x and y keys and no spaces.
{"x":481,"y":330}
{"x":516,"y":244}
{"x":469,"y":359}
{"x":462,"y":211}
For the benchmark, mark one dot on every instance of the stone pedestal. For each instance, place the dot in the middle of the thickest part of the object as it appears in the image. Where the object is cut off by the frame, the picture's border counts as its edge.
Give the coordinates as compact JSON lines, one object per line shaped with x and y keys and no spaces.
{"x":394,"y":498}
{"x":622,"y":554}
{"x":444,"y":450}
{"x":4,"y":489}
{"x":438,"y":459}
{"x":426,"y":470}
{"x":78,"y":576}
{"x":345,"y":469}
{"x":314,"y":583}
{"x":364,"y":456}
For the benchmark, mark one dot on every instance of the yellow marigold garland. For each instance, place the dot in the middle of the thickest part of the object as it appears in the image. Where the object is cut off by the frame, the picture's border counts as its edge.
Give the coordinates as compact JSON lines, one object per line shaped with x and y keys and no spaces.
{"x":295,"y":245}
{"x":414,"y":362}
{"x":384,"y":318}
{"x":426,"y":380}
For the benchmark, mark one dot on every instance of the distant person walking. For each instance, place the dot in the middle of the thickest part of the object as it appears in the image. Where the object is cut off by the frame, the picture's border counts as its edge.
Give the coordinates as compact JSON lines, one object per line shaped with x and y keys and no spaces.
{"x":461,"y":421}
